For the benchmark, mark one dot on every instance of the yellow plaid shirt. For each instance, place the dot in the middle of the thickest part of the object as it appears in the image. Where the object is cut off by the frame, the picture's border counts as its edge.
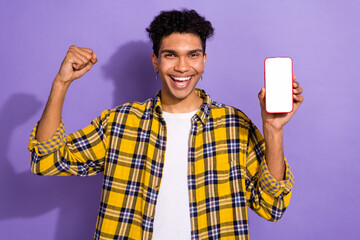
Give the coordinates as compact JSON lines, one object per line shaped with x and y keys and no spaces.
{"x":226,"y":169}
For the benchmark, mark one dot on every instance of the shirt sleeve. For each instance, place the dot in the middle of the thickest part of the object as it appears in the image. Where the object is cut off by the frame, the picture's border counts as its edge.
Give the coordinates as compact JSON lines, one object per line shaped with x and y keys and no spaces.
{"x":81,"y":153}
{"x":265,"y":195}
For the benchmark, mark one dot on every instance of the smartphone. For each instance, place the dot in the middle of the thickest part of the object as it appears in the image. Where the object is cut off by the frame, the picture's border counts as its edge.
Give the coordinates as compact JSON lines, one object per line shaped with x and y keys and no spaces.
{"x":278,"y":84}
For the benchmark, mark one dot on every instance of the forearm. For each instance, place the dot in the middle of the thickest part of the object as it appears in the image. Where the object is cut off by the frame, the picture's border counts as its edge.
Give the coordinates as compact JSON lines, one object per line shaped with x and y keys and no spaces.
{"x":51,"y":117}
{"x":274,"y":154}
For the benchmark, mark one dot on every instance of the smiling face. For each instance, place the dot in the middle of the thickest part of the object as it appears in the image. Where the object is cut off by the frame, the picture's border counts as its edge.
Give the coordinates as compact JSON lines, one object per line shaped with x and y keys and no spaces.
{"x":180,"y":64}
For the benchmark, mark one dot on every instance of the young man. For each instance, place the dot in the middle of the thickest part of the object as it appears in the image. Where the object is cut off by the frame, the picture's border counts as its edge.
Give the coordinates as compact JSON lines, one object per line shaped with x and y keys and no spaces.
{"x":208,"y":158}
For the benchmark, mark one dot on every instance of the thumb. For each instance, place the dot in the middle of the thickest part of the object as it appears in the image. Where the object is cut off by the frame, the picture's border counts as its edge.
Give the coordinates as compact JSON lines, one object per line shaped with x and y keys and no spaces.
{"x":261,"y":97}
{"x":82,"y":71}
{"x":261,"y":94}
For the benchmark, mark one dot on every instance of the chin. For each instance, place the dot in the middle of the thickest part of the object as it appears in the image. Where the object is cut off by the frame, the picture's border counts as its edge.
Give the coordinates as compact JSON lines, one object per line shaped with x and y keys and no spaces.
{"x":179,"y":94}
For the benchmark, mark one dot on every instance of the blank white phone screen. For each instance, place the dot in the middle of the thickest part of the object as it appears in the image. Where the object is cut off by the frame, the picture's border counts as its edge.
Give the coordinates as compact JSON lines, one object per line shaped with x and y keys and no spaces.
{"x":278,"y":85}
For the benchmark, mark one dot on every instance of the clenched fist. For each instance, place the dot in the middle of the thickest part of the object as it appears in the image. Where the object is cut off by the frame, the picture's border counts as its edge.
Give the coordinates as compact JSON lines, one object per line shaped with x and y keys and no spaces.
{"x":76,"y":63}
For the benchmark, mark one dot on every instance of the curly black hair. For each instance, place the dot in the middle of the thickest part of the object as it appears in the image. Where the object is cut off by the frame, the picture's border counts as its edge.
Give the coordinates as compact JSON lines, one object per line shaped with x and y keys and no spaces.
{"x":185,"y":21}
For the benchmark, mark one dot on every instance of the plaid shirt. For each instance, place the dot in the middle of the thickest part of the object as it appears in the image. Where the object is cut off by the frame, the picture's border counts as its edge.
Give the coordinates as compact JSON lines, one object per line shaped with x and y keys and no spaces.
{"x":226,"y":169}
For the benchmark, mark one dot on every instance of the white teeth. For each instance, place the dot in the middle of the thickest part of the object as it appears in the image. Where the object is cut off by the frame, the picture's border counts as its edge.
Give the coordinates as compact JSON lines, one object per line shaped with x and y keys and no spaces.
{"x":181,"y":78}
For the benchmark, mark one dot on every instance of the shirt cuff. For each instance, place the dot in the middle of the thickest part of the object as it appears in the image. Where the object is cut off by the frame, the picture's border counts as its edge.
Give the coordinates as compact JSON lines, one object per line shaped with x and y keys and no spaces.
{"x":54,"y":143}
{"x":273,"y":187}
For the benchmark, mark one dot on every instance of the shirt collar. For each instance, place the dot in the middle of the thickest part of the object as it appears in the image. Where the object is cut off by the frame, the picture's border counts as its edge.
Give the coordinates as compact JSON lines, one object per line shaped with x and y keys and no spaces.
{"x":202,"y":114}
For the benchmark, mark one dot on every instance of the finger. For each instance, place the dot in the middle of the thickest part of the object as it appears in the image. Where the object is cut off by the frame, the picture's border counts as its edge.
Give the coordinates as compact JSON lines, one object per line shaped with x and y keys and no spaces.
{"x":78,"y":63}
{"x":298,"y":98}
{"x":84,"y":53}
{"x":301,"y":98}
{"x":293,"y":78}
{"x":298,"y":90}
{"x":94,"y":58}
{"x":86,"y":57}
{"x":88,"y":50}
{"x":82,"y":71}
{"x":296,"y":84}
{"x":75,"y":61}
{"x":82,"y":58}
{"x":89,"y":66}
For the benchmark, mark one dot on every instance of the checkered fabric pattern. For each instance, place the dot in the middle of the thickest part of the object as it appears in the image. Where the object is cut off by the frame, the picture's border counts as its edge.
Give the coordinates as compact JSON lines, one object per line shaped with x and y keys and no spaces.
{"x":227,"y":170}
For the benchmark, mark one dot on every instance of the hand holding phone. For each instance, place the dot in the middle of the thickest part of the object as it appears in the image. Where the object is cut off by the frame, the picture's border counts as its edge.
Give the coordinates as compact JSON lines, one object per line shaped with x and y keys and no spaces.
{"x":278,"y":85}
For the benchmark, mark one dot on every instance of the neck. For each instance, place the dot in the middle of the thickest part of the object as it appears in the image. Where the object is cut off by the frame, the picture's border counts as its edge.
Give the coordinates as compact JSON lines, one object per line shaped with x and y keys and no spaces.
{"x":188,"y":104}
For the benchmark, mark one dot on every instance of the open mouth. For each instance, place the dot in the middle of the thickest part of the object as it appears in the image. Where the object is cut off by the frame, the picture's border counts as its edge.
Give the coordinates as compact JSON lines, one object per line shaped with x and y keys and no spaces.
{"x":181,"y":82}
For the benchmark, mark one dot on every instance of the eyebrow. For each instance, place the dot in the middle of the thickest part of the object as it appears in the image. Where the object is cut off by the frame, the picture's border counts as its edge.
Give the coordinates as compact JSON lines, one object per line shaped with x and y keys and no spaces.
{"x":173,"y":51}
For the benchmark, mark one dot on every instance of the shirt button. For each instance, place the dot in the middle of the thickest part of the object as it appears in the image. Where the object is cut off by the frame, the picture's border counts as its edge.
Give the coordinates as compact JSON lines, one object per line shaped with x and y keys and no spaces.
{"x":157,"y":184}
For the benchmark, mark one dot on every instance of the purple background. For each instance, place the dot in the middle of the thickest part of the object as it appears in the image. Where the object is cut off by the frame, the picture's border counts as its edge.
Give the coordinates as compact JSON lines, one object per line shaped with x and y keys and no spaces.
{"x":321,"y":141}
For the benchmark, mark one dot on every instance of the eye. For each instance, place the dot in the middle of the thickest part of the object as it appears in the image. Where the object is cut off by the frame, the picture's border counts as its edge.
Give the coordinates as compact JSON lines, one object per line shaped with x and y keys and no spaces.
{"x":169,"y":55}
{"x":194,"y":55}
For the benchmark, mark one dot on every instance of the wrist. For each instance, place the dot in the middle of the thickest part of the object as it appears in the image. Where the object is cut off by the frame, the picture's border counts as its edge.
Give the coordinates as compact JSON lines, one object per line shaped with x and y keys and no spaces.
{"x":60,"y":84}
{"x":270,"y":130}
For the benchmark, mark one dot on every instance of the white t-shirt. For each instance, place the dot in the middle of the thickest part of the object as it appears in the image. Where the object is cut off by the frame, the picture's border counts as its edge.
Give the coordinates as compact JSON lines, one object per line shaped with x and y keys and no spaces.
{"x":172,"y":215}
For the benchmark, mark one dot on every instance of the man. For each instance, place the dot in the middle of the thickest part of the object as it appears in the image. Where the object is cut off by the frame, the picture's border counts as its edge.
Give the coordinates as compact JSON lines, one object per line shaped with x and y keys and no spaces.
{"x":208,"y":158}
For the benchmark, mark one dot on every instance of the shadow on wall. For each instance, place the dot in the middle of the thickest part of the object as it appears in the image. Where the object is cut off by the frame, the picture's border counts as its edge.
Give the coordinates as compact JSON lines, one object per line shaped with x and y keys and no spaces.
{"x":77,"y":199}
{"x":131,"y":71}
{"x":25,"y":195}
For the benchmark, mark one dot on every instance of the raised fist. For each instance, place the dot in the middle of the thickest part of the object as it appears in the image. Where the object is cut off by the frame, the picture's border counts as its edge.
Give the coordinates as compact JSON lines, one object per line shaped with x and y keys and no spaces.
{"x":76,"y":63}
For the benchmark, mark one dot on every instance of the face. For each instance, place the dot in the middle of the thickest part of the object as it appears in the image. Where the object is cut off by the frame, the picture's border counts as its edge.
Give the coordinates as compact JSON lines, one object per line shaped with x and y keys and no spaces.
{"x":180,"y":64}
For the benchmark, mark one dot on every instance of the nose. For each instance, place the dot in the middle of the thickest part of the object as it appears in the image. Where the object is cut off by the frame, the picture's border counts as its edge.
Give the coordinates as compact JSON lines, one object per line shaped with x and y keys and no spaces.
{"x":182,"y":65}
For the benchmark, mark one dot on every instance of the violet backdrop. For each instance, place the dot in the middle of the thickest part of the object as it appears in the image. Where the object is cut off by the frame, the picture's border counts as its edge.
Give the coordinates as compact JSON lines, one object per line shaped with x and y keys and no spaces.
{"x":321,"y":141}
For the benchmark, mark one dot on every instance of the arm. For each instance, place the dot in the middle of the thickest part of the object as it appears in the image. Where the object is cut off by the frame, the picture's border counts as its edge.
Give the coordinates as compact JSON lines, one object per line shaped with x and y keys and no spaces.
{"x":274,"y":154}
{"x":81,"y":153}
{"x":76,"y":63}
{"x":268,"y":177}
{"x":54,"y":153}
{"x":265,"y":195}
{"x":273,"y":132}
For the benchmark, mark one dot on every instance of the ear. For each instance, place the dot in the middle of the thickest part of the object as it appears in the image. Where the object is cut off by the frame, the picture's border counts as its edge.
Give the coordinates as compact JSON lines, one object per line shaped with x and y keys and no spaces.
{"x":155,"y":62}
